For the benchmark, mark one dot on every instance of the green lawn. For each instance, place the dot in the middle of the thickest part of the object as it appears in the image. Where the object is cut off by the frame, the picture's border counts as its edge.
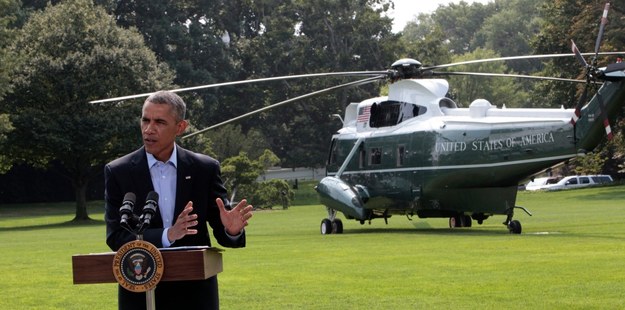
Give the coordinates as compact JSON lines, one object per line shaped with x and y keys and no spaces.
{"x":571,"y":255}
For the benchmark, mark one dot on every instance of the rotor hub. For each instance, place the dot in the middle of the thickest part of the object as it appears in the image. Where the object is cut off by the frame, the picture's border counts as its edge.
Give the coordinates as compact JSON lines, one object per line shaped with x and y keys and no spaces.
{"x":406,"y":68}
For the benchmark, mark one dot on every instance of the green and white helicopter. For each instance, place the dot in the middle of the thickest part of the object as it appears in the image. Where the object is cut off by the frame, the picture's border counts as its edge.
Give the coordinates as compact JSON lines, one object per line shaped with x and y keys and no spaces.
{"x":414,"y":152}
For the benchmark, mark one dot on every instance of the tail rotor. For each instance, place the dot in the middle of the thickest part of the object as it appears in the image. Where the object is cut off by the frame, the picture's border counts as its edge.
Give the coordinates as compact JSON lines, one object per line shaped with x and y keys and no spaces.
{"x":592,"y":73}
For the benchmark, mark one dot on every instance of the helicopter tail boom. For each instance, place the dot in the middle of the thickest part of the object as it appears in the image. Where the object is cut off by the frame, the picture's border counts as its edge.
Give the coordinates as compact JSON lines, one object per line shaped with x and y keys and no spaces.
{"x":591,"y":126}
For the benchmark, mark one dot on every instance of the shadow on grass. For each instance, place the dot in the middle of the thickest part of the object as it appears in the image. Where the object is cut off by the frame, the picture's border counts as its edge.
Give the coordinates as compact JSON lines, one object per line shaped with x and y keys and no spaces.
{"x":470,"y":232}
{"x":72,"y":223}
{"x":429,"y":231}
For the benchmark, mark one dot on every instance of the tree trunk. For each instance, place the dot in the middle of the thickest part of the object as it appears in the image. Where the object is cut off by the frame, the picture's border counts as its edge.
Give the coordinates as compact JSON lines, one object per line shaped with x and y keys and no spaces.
{"x":80,"y":189}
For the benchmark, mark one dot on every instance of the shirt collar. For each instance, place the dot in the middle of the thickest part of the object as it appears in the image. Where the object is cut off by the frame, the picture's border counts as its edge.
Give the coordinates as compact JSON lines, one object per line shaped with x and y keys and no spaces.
{"x":173,"y":159}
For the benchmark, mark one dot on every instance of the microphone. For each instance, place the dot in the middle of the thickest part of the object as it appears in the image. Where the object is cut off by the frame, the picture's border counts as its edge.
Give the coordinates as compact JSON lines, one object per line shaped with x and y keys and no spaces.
{"x":149,"y":210}
{"x":126,"y":211}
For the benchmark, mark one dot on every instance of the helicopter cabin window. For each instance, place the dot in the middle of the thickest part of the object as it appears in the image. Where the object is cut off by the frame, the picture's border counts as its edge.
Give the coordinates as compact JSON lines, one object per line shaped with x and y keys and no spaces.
{"x":401,"y":151}
{"x":375,"y":157}
{"x":361,"y":158}
{"x":391,"y":113}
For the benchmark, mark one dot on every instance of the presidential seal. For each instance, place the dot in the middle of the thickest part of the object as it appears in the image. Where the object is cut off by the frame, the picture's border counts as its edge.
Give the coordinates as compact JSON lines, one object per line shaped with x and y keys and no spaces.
{"x":138,"y":266}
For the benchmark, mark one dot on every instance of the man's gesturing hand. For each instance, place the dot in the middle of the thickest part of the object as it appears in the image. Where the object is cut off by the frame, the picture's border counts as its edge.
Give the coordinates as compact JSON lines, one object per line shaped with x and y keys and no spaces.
{"x":236,"y":219}
{"x":184,"y":221}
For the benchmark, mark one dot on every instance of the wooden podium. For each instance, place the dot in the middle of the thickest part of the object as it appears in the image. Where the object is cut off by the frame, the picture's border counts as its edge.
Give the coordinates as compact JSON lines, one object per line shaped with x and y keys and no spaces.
{"x":184,"y":263}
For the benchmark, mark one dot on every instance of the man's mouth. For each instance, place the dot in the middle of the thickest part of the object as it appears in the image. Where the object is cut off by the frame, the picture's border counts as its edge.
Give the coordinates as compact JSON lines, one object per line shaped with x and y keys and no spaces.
{"x":149,"y":140}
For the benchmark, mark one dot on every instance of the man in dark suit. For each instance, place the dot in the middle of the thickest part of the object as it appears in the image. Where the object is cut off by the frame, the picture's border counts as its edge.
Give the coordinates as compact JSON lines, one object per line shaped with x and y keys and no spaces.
{"x":191,"y":194}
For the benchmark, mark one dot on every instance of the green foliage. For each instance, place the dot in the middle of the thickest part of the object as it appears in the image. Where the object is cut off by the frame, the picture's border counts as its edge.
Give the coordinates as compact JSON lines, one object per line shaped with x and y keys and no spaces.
{"x":250,"y":39}
{"x":240,"y":174}
{"x":499,"y":91}
{"x":8,"y":16}
{"x":84,"y":57}
{"x":230,"y":140}
{"x":591,"y":163}
{"x":240,"y":170}
{"x":460,"y":23}
{"x":509,"y":30}
{"x":271,"y":193}
{"x":5,"y":128}
{"x":563,"y":20}
{"x":422,"y":40}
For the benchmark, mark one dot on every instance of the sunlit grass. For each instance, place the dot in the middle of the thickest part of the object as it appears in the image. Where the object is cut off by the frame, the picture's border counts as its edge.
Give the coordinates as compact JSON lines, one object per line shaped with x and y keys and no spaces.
{"x":570,"y":256}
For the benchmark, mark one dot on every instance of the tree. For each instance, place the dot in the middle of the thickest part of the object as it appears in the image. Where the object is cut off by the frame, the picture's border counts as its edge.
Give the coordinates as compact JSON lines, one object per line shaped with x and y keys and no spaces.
{"x":509,"y":31}
{"x":498,"y":91}
{"x":579,"y":20}
{"x":461,"y":22}
{"x":8,"y":11}
{"x":422,"y":40}
{"x":329,"y":36}
{"x":242,"y":172}
{"x":8,"y":16}
{"x":273,"y":192}
{"x":83,"y":58}
{"x":229,"y":141}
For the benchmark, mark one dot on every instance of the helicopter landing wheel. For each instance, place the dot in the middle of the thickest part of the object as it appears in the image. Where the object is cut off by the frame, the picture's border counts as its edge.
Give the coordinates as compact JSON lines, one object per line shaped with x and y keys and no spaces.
{"x":326,"y":227}
{"x":337,"y":226}
{"x":514,"y":227}
{"x":467,"y":221}
{"x":456,"y":221}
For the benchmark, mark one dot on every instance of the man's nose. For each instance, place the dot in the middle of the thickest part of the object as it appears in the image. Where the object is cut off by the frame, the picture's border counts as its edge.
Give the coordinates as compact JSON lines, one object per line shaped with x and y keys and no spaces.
{"x":148,"y":127}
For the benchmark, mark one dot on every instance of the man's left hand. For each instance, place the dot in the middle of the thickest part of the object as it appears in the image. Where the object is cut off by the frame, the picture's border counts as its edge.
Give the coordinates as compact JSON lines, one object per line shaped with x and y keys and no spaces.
{"x":236,"y":219}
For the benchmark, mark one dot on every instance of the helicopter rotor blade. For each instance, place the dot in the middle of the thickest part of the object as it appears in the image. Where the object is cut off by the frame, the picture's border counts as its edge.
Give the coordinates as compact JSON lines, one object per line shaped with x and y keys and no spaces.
{"x":604,"y":115}
{"x":277,"y":78}
{"x":523,"y":76}
{"x":346,"y":85}
{"x":578,"y":54}
{"x":580,"y":103}
{"x":468,"y":62}
{"x":604,"y":21}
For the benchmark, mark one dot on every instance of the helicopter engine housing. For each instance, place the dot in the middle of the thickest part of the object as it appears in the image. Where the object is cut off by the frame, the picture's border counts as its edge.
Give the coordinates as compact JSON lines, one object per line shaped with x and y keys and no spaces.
{"x":338,"y":195}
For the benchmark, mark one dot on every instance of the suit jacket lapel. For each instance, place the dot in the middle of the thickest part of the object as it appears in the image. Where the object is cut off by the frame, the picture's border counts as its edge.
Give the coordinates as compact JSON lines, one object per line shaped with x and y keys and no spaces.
{"x":141,"y":173}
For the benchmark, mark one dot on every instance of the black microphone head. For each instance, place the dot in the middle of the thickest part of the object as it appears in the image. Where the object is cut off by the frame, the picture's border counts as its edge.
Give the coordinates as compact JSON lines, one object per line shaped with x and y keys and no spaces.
{"x":130,"y":197}
{"x":149,"y":210}
{"x":151,"y":203}
{"x":152,"y":196}
{"x":126,"y":211}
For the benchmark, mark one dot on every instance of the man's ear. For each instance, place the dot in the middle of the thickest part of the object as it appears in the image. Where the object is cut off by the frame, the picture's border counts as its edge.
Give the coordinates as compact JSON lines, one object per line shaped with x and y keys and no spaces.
{"x":182,"y":126}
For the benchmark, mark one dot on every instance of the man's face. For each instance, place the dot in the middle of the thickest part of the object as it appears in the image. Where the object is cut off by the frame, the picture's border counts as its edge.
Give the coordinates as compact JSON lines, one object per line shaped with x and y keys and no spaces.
{"x":159,"y":129}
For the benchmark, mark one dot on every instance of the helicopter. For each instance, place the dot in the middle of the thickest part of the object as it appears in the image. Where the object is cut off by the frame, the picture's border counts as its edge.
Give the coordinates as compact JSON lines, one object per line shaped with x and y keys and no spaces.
{"x":415,"y":152}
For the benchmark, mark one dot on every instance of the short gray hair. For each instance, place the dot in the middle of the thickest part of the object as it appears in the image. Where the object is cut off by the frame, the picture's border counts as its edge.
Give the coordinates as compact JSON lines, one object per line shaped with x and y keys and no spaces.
{"x":169,"y":98}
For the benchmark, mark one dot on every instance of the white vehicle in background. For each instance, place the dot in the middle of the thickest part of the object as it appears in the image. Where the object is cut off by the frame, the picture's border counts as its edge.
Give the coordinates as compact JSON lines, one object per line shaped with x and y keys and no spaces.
{"x":540,"y":183}
{"x":577,"y":181}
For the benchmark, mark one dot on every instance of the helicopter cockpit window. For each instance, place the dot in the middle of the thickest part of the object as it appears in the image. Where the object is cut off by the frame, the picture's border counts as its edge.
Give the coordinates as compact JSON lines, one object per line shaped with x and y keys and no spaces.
{"x":391,"y":113}
{"x":333,"y":149}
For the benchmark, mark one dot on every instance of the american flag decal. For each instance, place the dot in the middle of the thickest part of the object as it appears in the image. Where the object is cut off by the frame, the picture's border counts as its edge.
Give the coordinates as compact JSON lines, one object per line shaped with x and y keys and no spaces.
{"x":363,"y":114}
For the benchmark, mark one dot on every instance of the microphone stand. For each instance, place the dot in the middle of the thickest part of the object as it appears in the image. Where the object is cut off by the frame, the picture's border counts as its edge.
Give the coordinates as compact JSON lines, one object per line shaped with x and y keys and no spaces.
{"x":150,"y":298}
{"x":137,"y":230}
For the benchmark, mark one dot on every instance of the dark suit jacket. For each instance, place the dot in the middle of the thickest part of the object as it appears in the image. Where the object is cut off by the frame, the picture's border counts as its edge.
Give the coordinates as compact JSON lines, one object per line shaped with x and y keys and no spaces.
{"x":198,"y":180}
